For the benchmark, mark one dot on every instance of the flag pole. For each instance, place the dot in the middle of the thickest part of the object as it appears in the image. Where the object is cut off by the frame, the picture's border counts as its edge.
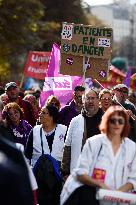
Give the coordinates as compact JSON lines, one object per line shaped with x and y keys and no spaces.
{"x":22,"y":80}
{"x":84,"y":70}
{"x":99,"y":83}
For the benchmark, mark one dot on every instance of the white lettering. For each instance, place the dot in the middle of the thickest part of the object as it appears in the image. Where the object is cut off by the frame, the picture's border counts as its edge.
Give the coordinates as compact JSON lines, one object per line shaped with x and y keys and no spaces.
{"x":42,"y":59}
{"x":57,"y":83}
{"x":36,"y":70}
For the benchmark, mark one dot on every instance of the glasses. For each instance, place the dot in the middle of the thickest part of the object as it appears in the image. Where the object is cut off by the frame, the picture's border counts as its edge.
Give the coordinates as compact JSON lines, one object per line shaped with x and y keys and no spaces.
{"x":105,"y":98}
{"x":123,"y":91}
{"x":13,"y":114}
{"x":114,"y":121}
{"x":91,"y":98}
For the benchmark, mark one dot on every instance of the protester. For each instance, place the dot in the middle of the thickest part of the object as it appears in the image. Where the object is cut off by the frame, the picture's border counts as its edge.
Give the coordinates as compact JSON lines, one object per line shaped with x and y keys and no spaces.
{"x":48,"y":138}
{"x":73,"y":108}
{"x":12,"y":91}
{"x":120,"y":93}
{"x":37,"y":93}
{"x":111,"y":155}
{"x":2,"y":90}
{"x":4,"y":129}
{"x":53,"y":100}
{"x":32,"y":100}
{"x":81,"y":127}
{"x":4,"y":98}
{"x":14,"y":120}
{"x":105,"y":97}
{"x":132,"y":97}
{"x":15,"y":187}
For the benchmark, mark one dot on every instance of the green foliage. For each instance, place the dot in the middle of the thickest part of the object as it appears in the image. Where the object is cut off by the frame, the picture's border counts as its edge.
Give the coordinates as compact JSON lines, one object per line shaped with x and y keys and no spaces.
{"x":19,"y":22}
{"x":4,"y":70}
{"x":33,"y":25}
{"x":94,"y":21}
{"x":64,"y":11}
{"x":56,"y":12}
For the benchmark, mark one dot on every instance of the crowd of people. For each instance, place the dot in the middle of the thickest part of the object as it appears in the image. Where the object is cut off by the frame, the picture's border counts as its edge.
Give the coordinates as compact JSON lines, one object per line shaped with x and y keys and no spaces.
{"x":86,"y":145}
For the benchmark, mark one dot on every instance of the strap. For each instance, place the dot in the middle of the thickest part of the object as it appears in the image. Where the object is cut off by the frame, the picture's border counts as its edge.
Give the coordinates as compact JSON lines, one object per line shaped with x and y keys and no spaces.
{"x":41,"y":140}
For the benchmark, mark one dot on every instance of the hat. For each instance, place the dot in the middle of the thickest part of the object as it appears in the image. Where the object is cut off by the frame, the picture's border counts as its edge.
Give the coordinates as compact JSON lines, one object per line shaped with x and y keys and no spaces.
{"x":120,"y":87}
{"x":9,"y":85}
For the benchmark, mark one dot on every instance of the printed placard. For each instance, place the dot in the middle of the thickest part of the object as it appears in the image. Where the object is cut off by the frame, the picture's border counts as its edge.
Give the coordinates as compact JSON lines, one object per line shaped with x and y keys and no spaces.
{"x":37,"y":64}
{"x":57,"y":83}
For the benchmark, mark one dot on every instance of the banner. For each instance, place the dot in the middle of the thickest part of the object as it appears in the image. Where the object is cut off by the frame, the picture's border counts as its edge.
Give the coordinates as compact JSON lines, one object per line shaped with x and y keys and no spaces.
{"x":37,"y":64}
{"x":61,"y":86}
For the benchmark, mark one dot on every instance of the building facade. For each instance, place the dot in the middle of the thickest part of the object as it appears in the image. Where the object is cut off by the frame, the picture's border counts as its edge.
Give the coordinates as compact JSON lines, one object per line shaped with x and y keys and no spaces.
{"x":119,"y":16}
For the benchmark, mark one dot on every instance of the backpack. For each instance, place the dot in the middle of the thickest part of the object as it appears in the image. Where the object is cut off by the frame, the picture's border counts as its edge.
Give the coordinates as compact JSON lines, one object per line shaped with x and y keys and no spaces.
{"x":47,"y":174}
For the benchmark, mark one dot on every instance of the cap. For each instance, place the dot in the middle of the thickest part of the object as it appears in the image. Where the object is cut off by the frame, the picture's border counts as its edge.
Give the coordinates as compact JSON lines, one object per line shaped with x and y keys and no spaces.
{"x":9,"y":85}
{"x":120,"y":87}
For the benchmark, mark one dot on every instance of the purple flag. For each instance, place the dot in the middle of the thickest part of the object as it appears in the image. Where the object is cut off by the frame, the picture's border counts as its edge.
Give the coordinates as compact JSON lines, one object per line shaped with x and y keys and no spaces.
{"x":127,"y":79}
{"x":61,"y":86}
{"x":53,"y":66}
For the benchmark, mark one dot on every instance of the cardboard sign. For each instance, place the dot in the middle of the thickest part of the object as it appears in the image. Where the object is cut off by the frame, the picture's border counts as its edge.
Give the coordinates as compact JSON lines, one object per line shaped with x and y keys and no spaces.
{"x":85,"y":47}
{"x":85,"y":40}
{"x":37,"y":64}
{"x":73,"y":65}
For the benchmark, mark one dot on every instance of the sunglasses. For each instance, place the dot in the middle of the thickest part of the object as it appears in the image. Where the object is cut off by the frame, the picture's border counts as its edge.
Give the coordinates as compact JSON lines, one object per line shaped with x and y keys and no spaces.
{"x":114,"y":121}
{"x":106,"y":98}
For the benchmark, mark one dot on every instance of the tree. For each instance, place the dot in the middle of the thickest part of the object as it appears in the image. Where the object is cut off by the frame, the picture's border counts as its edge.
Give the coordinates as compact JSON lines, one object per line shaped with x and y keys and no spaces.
{"x":18,"y":28}
{"x":33,"y":25}
{"x":56,"y":12}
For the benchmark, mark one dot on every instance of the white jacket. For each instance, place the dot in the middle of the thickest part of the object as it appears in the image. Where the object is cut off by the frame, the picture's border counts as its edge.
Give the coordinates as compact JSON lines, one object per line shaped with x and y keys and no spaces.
{"x":57,"y":146}
{"x":74,"y":139}
{"x":122,"y":165}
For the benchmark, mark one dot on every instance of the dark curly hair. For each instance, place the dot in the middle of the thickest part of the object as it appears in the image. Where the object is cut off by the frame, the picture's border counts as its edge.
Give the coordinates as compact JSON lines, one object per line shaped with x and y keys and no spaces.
{"x":53,"y":112}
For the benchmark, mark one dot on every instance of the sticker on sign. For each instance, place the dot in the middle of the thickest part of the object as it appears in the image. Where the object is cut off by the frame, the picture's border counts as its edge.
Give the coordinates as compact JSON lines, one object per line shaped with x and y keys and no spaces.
{"x":103,"y":42}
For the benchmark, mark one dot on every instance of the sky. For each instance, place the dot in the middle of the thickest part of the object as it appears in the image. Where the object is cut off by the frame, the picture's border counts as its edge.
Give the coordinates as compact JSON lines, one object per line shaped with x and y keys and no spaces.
{"x":97,"y":2}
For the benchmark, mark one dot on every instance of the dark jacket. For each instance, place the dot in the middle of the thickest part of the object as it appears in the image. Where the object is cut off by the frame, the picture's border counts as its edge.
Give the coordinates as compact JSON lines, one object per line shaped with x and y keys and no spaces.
{"x":15,"y":185}
{"x":67,"y":113}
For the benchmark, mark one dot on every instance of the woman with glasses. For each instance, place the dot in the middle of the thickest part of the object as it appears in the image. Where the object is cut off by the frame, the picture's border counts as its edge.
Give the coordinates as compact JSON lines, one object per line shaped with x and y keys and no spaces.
{"x":47,"y":138}
{"x":108,"y":161}
{"x":105,"y":97}
{"x":13,"y":115}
